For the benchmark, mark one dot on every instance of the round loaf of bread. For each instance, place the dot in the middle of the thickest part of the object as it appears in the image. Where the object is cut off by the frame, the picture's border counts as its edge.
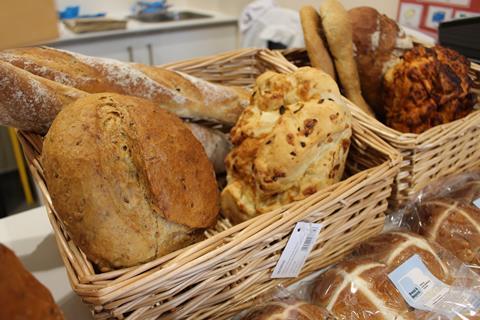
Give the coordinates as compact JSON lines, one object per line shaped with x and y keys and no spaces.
{"x":394,"y":248}
{"x":287,"y":309}
{"x":453,"y":225}
{"x":21,"y":295}
{"x":360,"y":289}
{"x":129,"y":180}
{"x":379,"y":42}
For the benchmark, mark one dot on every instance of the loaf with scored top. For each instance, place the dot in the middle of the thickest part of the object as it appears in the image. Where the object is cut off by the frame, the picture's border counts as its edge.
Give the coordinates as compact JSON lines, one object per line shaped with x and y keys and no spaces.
{"x":128,"y":179}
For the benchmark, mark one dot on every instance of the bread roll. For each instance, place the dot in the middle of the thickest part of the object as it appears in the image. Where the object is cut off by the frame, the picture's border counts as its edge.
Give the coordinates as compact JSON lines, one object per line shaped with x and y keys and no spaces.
{"x":360,"y":289}
{"x":184,"y":95}
{"x":29,"y":102}
{"x":429,"y":87}
{"x":128,"y":179}
{"x":338,"y":32}
{"x":291,"y":142}
{"x":379,"y":43}
{"x":287,"y":309}
{"x":453,"y":225}
{"x":394,"y":248}
{"x":21,"y":295}
{"x":314,"y":43}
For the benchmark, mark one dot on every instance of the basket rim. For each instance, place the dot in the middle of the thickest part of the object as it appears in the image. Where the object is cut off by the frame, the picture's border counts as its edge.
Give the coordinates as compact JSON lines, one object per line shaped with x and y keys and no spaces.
{"x":425,"y":140}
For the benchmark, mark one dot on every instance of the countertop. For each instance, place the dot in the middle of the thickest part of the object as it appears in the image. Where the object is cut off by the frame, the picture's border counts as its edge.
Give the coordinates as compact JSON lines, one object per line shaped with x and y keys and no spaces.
{"x":30,"y":235}
{"x":137,"y":27}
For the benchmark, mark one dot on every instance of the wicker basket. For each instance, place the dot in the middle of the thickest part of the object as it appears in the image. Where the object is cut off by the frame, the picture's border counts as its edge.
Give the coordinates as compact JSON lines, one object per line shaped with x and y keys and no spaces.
{"x":437,"y":152}
{"x":217,"y":277}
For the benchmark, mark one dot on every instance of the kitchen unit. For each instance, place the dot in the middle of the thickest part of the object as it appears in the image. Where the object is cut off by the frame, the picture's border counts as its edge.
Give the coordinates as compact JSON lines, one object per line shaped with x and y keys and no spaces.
{"x":156,"y":42}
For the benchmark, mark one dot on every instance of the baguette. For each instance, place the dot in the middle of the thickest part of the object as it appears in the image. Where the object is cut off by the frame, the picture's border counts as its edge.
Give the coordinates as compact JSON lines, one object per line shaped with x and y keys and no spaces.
{"x":184,"y":95}
{"x":338,"y":31}
{"x":30,"y":102}
{"x":316,"y":48}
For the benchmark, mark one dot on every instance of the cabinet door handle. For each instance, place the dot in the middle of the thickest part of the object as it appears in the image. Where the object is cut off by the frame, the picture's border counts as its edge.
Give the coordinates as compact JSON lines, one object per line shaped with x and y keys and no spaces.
{"x":130,"y":53}
{"x":150,"y":54}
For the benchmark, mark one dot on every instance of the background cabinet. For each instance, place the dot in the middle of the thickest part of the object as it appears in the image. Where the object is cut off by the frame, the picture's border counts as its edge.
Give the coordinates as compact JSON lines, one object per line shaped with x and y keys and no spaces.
{"x":159,"y":47}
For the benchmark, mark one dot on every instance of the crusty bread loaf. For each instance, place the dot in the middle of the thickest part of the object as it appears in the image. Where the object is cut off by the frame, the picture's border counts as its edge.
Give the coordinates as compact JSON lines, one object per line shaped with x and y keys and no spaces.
{"x":21,"y":295}
{"x":128,"y":179}
{"x":184,"y":95}
{"x":287,"y":309}
{"x":379,"y":42}
{"x":338,"y":32}
{"x":29,"y":102}
{"x":360,"y":289}
{"x":289,"y":143}
{"x":453,"y":225}
{"x":215,"y":143}
{"x":314,"y":43}
{"x":429,"y":87}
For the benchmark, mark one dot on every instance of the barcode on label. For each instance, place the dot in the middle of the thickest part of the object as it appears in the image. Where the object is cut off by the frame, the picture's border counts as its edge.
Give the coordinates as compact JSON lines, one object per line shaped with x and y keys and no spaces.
{"x":297,"y":250}
{"x":307,"y":243}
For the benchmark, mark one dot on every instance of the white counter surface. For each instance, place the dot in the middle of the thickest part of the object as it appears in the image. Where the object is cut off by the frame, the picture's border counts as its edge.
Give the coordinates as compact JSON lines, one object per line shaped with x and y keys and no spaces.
{"x":137,"y":27}
{"x":30,"y":236}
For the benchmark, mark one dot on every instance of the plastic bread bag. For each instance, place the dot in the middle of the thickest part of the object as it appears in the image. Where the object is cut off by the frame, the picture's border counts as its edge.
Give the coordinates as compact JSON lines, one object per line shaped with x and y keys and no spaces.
{"x":280,"y":304}
{"x":448,"y":213}
{"x":398,"y":275}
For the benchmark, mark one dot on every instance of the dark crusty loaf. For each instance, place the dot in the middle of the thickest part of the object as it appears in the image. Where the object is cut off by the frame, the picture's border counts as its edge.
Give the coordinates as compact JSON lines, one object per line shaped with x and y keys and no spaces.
{"x":379,"y":42}
{"x":29,"y":102}
{"x":128,"y":179}
{"x":184,"y":95}
{"x":429,"y":87}
{"x":21,"y":295}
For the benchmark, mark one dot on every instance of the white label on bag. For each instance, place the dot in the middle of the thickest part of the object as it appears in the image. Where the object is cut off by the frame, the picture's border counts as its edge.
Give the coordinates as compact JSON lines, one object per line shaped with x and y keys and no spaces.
{"x":418,"y":286}
{"x":477,"y":203}
{"x":297,"y":250}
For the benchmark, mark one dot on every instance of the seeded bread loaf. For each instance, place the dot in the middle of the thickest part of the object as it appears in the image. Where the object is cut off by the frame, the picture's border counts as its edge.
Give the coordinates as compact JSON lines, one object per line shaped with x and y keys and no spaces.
{"x":128,"y":179}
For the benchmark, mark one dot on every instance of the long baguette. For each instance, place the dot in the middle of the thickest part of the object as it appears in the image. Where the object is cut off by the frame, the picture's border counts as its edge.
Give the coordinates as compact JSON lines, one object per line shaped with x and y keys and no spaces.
{"x":30,"y":102}
{"x":184,"y":95}
{"x":338,"y":31}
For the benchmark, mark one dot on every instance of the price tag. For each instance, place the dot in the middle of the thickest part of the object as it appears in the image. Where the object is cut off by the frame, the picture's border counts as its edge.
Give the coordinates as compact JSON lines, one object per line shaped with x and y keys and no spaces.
{"x":297,"y":250}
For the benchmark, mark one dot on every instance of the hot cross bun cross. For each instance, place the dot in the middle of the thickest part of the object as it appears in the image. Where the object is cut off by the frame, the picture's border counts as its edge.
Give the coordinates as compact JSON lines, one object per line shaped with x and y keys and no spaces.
{"x":359,"y":288}
{"x":454,"y":225}
{"x":287,"y":309}
{"x":394,"y":248}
